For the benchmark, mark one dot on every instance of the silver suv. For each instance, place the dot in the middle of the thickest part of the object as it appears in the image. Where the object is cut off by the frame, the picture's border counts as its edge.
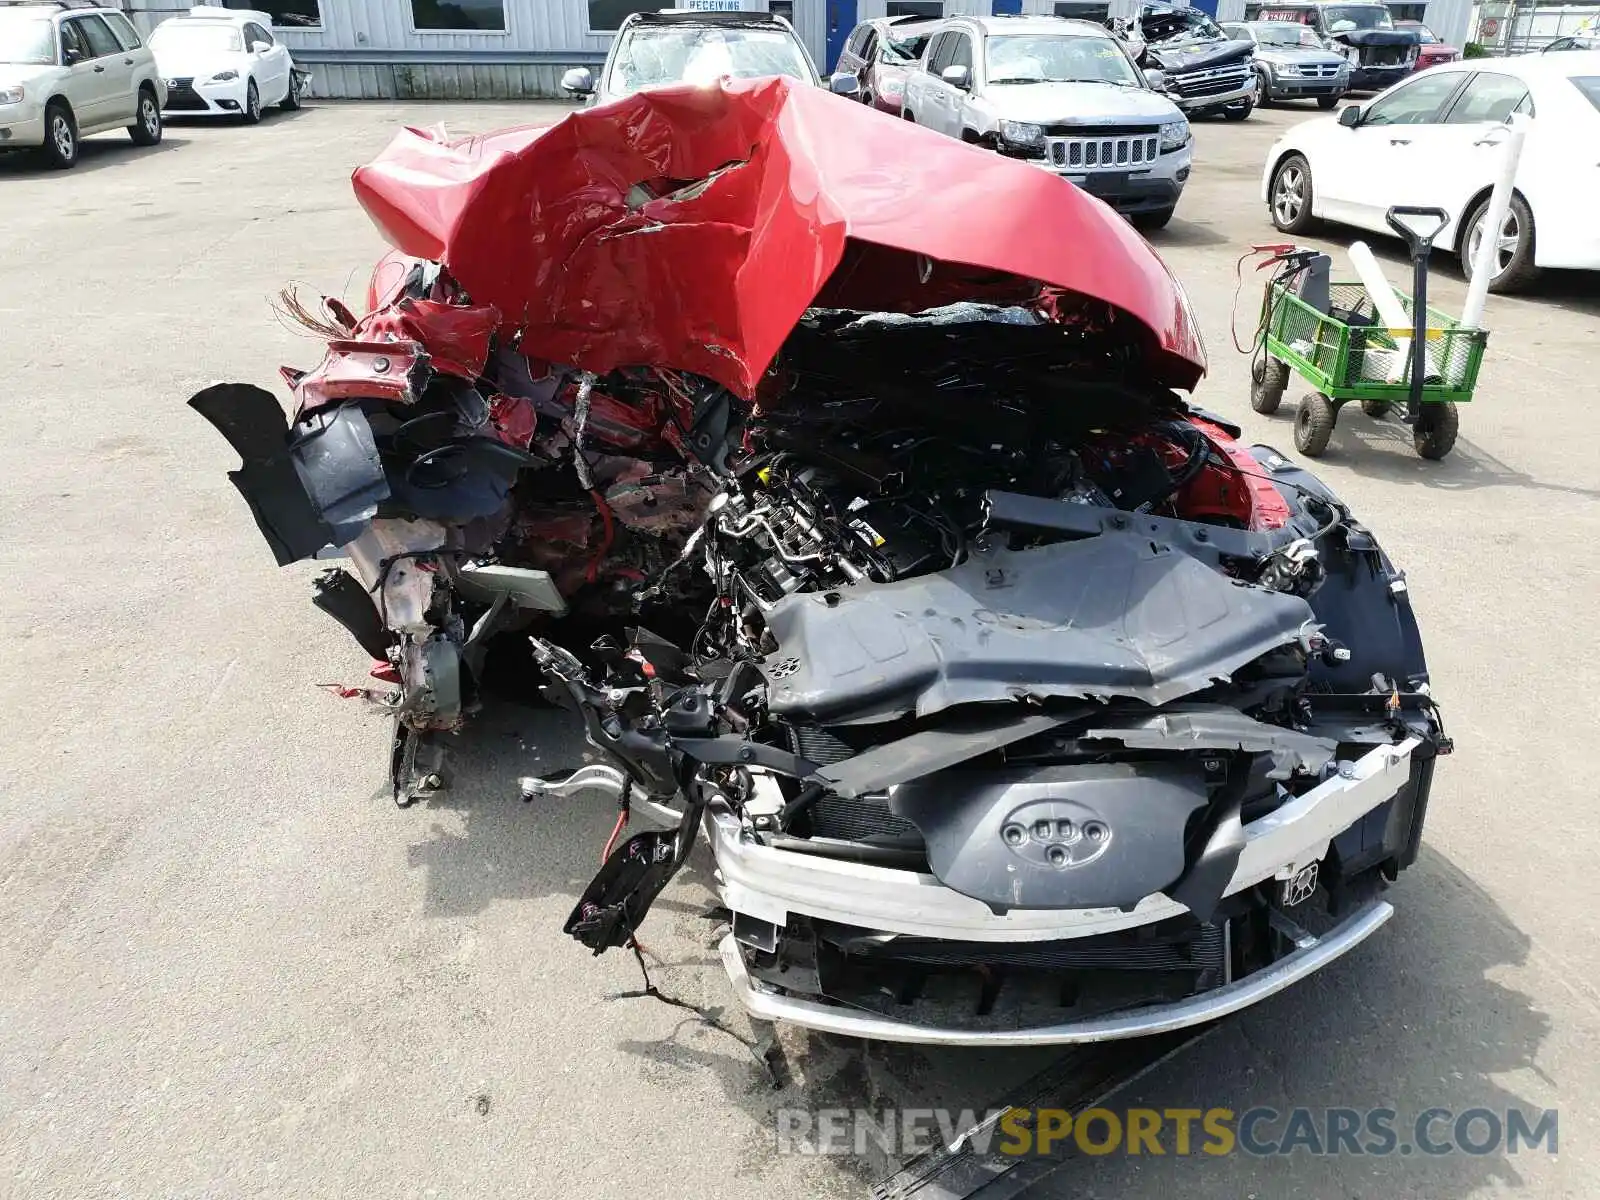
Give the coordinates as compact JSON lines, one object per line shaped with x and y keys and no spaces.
{"x":1063,"y":95}
{"x":70,"y":69}
{"x":656,"y":49}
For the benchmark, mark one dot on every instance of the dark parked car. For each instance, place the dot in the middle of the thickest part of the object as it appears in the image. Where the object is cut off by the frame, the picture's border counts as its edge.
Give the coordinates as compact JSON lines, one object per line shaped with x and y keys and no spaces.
{"x":1380,"y":55}
{"x":1186,"y":54}
{"x":880,"y":53}
{"x":1292,"y":63}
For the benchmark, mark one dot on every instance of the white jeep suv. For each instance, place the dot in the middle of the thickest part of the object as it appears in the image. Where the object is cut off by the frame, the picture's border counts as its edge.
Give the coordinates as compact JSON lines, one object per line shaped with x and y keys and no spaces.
{"x":1063,"y":95}
{"x":70,"y":69}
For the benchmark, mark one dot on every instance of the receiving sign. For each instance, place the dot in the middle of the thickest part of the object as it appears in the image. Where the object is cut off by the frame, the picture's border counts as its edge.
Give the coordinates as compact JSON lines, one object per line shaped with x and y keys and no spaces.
{"x":711,"y":5}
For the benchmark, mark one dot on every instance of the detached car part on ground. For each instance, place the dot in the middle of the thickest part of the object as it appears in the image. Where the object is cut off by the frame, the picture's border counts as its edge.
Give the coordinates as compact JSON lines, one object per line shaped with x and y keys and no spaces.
{"x":1204,"y":71}
{"x":843,"y":472}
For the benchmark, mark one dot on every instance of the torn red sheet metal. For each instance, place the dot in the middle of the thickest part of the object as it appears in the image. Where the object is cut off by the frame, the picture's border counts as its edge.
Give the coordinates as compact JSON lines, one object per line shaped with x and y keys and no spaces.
{"x":690,"y":227}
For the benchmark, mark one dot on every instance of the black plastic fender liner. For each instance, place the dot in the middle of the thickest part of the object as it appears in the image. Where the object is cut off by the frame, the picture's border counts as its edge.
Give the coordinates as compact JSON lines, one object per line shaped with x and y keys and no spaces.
{"x":1362,"y":603}
{"x":1101,"y":835}
{"x":342,"y":596}
{"x":253,"y":422}
{"x":336,"y":457}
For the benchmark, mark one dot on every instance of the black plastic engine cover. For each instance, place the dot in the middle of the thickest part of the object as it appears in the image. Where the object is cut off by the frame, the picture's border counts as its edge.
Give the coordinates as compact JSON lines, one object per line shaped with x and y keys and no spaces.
{"x":1101,"y":835}
{"x":1115,"y":616}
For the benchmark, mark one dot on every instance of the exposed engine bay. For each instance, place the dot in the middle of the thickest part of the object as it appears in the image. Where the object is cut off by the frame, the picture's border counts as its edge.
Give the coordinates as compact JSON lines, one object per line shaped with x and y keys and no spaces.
{"x":999,"y":677}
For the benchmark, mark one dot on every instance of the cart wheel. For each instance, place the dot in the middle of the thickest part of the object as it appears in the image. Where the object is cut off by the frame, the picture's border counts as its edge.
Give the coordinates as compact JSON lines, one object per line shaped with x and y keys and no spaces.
{"x":1268,"y":379}
{"x":1313,"y":424}
{"x":1434,"y":434}
{"x":1376,"y":408}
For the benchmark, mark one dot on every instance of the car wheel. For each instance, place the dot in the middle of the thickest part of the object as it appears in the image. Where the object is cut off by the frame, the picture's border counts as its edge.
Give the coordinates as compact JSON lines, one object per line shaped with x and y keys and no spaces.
{"x":252,"y":104}
{"x":1263,"y":92}
{"x":1149,"y":222}
{"x":291,"y":102}
{"x":1268,"y":379}
{"x":1290,"y":197}
{"x":1327,"y":102}
{"x":1514,"y":262}
{"x":146,"y":127}
{"x":1313,"y":424}
{"x":1239,"y":111}
{"x":1434,"y":434}
{"x":60,"y":147}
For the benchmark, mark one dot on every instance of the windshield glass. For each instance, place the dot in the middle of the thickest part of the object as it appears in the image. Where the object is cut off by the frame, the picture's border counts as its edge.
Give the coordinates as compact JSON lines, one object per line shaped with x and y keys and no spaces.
{"x":198,"y":37}
{"x":1054,"y":58}
{"x":1589,"y":85}
{"x":26,"y":37}
{"x":652,"y":57}
{"x":1344,"y":18}
{"x":903,"y":50}
{"x":1285,"y":33}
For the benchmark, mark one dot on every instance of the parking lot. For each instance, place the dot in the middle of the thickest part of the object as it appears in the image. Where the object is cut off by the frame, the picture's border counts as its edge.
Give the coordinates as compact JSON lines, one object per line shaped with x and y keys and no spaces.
{"x":230,"y":966}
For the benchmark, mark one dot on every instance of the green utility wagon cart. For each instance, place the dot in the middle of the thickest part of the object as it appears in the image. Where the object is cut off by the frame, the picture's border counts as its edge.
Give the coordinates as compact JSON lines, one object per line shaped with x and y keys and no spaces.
{"x":1348,"y":353}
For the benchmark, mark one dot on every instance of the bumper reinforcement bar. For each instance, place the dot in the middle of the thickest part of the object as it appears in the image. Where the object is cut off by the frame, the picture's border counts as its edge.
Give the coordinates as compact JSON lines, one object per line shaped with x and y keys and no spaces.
{"x":1310,"y":956}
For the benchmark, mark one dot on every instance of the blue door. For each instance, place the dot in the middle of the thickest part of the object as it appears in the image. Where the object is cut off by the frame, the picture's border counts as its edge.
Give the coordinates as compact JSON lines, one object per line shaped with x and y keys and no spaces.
{"x":1209,"y":7}
{"x":841,"y":20}
{"x":1007,"y":8}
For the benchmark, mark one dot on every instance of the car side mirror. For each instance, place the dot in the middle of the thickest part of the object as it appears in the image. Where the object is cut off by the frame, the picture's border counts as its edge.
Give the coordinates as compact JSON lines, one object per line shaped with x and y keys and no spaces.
{"x":579,"y":81}
{"x":960,"y":77}
{"x":259,"y":47}
{"x":1350,"y":116}
{"x":844,"y":84}
{"x":1157,"y":80}
{"x":71,"y":57}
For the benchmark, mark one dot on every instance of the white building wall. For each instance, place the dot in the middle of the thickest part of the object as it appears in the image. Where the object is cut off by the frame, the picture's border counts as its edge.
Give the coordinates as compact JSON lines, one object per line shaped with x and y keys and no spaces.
{"x":1451,"y":20}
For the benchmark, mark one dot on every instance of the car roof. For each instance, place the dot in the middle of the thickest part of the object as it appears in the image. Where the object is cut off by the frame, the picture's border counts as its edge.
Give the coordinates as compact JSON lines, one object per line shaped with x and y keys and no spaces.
{"x":50,"y":8}
{"x":993,"y":25}
{"x":904,"y":23}
{"x":207,"y":14}
{"x":695,"y":16}
{"x":1530,"y":68}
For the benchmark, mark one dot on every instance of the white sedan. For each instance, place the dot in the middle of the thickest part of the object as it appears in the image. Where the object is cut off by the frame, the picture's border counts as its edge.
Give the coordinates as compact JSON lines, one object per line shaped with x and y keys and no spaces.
{"x":225,"y":62}
{"x":1434,"y":140}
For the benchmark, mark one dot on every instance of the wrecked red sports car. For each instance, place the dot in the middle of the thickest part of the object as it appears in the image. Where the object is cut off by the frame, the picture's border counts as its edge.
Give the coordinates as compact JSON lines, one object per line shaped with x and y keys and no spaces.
{"x":839,"y":478}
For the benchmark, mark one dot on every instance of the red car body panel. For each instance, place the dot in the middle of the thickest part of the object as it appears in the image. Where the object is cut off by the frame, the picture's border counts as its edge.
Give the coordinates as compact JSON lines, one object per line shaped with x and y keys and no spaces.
{"x":691,"y":227}
{"x":1429,"y":53}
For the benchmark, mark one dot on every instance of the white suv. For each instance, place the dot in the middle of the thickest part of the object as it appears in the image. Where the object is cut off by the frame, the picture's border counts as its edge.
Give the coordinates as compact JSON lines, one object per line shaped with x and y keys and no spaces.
{"x":70,"y":69}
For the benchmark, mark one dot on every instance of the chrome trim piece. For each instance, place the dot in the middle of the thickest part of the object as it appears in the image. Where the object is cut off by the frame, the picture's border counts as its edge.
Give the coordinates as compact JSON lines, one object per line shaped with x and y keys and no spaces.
{"x":1309,"y":956}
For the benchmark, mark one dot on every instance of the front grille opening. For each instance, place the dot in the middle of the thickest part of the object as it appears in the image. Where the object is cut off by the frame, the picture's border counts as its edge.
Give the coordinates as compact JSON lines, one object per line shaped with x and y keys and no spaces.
{"x":980,"y":984}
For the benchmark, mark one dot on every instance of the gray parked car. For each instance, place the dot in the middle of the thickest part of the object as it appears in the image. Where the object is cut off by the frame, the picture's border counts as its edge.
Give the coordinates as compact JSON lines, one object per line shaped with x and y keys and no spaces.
{"x":1291,"y":63}
{"x":653,"y":49}
{"x":1063,"y":95}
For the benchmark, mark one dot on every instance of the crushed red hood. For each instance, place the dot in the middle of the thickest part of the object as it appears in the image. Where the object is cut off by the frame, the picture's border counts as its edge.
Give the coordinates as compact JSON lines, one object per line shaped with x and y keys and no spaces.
{"x":690,"y":227}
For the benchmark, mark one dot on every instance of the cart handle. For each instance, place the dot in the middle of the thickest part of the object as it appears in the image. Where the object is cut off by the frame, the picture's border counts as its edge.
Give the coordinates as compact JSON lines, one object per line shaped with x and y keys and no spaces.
{"x":1418,"y":243}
